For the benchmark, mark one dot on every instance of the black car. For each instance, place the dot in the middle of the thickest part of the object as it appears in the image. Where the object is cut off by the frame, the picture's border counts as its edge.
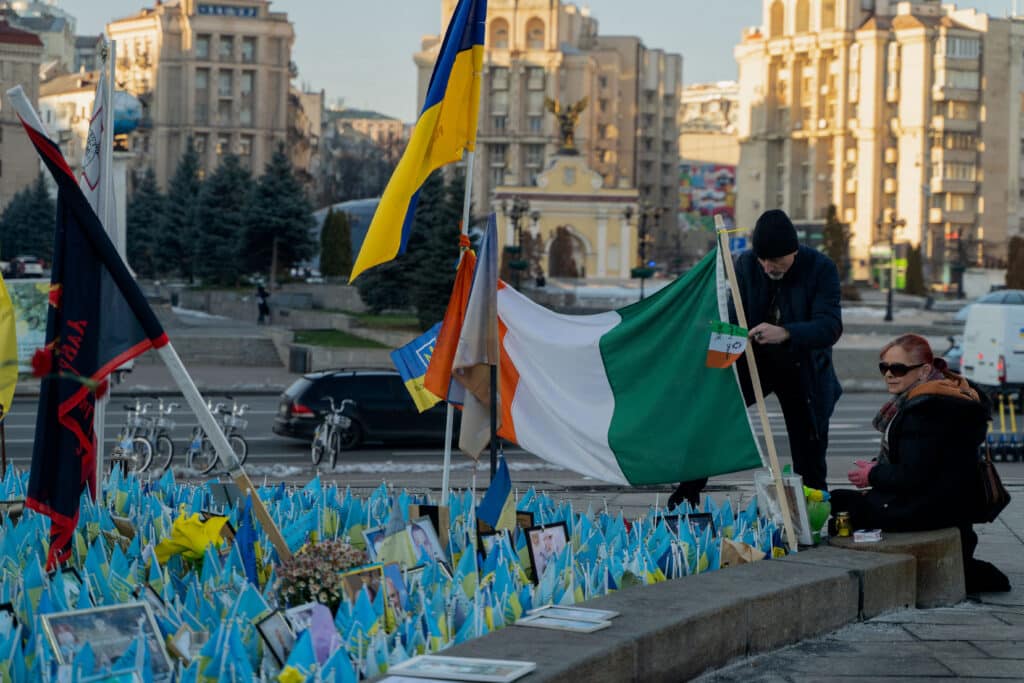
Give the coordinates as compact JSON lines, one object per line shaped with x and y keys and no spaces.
{"x":384,"y":410}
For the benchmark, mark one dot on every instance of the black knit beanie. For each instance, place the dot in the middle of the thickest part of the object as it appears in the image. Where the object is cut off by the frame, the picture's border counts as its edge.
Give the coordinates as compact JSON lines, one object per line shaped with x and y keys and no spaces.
{"x":774,"y":235}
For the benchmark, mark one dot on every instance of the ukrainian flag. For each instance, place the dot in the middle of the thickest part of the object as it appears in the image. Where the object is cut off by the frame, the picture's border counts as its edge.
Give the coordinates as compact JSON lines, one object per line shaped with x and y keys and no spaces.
{"x":412,"y":361}
{"x":446,"y":127}
{"x":497,"y":507}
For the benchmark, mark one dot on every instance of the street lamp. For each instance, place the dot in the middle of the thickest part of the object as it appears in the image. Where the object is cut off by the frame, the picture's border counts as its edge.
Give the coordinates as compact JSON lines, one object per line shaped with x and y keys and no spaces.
{"x":643,"y":271}
{"x":893,"y":226}
{"x":515,"y":212}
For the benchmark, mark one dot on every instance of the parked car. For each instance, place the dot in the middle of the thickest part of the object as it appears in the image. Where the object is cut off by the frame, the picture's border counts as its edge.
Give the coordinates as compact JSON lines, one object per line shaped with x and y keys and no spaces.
{"x":1008,"y":297}
{"x":993,"y":348}
{"x":384,"y":410}
{"x":955,"y":353}
{"x":27,"y":266}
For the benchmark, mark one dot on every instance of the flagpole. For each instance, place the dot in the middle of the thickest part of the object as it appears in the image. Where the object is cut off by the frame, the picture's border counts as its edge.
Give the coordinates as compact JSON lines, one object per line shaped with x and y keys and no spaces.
{"x":225,"y":453}
{"x":755,"y":380}
{"x":110,"y":226}
{"x":449,"y":418}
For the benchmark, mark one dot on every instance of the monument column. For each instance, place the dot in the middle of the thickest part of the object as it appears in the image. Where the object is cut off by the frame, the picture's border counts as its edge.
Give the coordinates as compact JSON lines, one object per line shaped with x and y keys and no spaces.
{"x":602,"y":242}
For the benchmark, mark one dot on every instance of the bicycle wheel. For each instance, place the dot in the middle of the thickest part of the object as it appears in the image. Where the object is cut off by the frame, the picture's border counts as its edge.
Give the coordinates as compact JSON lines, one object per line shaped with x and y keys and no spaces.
{"x":334,"y":447}
{"x":351,"y":436}
{"x":240,"y":446}
{"x":164,"y":452}
{"x":202,"y":458}
{"x":317,"y":449}
{"x":141,"y":454}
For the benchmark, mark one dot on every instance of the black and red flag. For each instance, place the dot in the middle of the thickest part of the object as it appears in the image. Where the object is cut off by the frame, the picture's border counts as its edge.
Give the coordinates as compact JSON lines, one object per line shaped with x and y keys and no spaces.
{"x":98,"y":319}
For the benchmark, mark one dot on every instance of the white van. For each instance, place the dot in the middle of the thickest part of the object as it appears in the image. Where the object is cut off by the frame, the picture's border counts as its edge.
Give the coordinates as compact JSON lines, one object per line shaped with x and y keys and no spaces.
{"x":993,"y":349}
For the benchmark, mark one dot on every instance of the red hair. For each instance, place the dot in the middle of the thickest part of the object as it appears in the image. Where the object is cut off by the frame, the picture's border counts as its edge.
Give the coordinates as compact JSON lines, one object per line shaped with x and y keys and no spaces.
{"x":915,"y":345}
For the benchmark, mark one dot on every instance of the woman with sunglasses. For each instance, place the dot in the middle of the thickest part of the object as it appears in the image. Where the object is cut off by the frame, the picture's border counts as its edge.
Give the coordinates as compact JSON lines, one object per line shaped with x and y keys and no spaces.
{"x":925,"y":473}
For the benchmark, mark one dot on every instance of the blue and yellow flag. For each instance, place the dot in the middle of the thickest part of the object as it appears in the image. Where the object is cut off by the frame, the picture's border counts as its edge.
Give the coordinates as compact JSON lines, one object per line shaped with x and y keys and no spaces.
{"x":497,"y":507}
{"x":412,"y":361}
{"x":446,"y":127}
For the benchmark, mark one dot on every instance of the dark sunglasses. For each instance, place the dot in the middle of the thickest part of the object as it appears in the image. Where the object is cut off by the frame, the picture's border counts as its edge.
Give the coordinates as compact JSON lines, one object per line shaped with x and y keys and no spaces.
{"x":898,"y":369}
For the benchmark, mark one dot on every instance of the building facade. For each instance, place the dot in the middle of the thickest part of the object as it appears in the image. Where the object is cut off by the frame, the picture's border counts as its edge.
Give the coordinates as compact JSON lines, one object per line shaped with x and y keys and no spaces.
{"x":65,"y":106}
{"x":904,"y":115}
{"x":707,"y":123}
{"x":218,"y":73}
{"x":20,"y":54}
{"x":538,"y":50}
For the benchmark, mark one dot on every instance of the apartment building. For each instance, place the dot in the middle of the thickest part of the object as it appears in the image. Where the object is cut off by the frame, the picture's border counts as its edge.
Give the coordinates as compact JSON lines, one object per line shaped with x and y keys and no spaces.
{"x":217,"y":73}
{"x":905,"y":115}
{"x":707,"y":123}
{"x":20,"y":54}
{"x":540,"y":49}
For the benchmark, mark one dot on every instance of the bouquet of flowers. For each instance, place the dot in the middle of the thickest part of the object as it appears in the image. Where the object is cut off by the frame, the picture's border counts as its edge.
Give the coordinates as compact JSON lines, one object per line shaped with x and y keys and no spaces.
{"x":314,"y":573}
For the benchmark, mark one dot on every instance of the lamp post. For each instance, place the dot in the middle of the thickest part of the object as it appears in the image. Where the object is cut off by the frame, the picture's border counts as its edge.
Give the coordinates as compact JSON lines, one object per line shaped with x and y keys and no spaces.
{"x":893,"y":226}
{"x":643,"y":271}
{"x":515,"y":212}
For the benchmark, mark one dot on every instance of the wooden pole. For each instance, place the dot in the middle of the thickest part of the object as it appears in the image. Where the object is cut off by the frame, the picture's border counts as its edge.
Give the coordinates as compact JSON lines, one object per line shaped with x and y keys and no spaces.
{"x":755,"y":380}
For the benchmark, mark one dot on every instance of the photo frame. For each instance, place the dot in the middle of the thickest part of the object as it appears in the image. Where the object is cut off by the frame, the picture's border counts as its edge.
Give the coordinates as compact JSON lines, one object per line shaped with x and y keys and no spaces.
{"x":300,"y":617}
{"x":439,"y":516}
{"x":148,"y":594}
{"x":9,"y":608}
{"x":371,"y":576}
{"x":545,"y":543}
{"x":793,"y":484}
{"x":463,"y":669}
{"x":186,"y":644}
{"x":396,"y":594}
{"x":425,"y":539}
{"x":109,"y":630}
{"x":373,"y":538}
{"x":487,"y":539}
{"x":562,"y":623}
{"x":576,"y":613}
{"x":524,"y":519}
{"x":277,"y":635}
{"x":699,"y":521}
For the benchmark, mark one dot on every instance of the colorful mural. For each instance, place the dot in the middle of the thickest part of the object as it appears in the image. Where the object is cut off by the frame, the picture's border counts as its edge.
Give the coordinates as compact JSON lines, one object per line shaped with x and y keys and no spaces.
{"x":705,"y":191}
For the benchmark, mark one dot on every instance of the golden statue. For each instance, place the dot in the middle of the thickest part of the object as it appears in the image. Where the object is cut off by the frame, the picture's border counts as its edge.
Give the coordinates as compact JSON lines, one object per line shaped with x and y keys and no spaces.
{"x":567,"y":119}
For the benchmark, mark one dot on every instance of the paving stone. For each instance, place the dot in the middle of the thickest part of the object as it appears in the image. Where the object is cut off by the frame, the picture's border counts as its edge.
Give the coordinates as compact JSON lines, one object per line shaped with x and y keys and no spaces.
{"x":873,"y":667}
{"x":970,"y":615}
{"x":869,"y":632}
{"x":911,"y":647}
{"x":971,"y":633}
{"x":1012,"y":618}
{"x":988,"y":666}
{"x":1011,"y":649}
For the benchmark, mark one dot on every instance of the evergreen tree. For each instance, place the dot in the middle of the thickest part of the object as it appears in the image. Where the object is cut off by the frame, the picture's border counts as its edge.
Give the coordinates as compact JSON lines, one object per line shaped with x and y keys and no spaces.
{"x":176,"y":243}
{"x":435,"y":261}
{"x":146,"y":217}
{"x":280,"y":211}
{"x":335,"y":245}
{"x":836,"y":242}
{"x":915,"y":273}
{"x":27,"y":223}
{"x":223,"y":211}
{"x":1015,"y":265}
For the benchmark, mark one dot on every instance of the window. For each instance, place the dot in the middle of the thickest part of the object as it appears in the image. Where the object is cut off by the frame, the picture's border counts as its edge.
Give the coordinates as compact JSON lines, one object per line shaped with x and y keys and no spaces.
{"x":245,"y":150}
{"x":499,"y":34}
{"x":803,"y":16}
{"x":497,"y":176}
{"x":246,"y":85}
{"x":958,"y":79}
{"x":602,"y":81}
{"x":963,"y":48}
{"x":499,"y":102}
{"x":777,"y":19}
{"x":499,"y":78}
{"x":535,"y":34}
{"x":249,"y":49}
{"x":962,"y":110}
{"x":534,"y":103}
{"x":227,"y":48}
{"x":199,"y":143}
{"x":224,"y":112}
{"x":535,"y":124}
{"x":535,"y":78}
{"x":202,"y":46}
{"x":534,"y":155}
{"x":225,"y":83}
{"x":959,"y":202}
{"x":499,"y":122}
{"x":828,"y":14}
{"x":966,"y":172}
{"x":223,"y":144}
{"x":498,"y":154}
{"x":202,"y":112}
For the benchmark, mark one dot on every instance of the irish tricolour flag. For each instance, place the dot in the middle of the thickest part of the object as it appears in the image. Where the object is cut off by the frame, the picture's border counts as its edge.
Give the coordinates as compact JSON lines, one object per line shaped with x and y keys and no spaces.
{"x":626,"y":396}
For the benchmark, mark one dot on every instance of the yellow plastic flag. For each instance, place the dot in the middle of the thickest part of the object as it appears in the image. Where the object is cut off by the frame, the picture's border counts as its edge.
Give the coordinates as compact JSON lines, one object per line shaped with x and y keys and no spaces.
{"x":190,"y":537}
{"x":398,"y":548}
{"x":8,"y":349}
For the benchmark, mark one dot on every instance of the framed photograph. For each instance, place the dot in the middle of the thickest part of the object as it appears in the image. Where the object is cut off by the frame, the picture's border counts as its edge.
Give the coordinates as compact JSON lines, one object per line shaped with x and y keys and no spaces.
{"x":372,"y":577}
{"x":148,"y":594}
{"x":8,"y":608}
{"x":439,"y":516}
{"x":186,"y":644}
{"x":124,"y":526}
{"x":224,"y":494}
{"x":12,"y":508}
{"x":577,"y":613}
{"x":463,"y":669}
{"x":73,"y":584}
{"x":277,"y":635}
{"x":562,"y":624}
{"x":300,"y":617}
{"x":374,"y":537}
{"x":109,"y":630}
{"x":699,"y":521}
{"x":545,"y":543}
{"x":524,"y":520}
{"x":764,"y":486}
{"x":489,"y":538}
{"x":425,"y":540}
{"x":397,"y":594}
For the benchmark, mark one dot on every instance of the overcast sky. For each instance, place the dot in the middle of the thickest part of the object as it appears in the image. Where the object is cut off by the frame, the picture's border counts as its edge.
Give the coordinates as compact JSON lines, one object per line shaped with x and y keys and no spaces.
{"x":361,"y":50}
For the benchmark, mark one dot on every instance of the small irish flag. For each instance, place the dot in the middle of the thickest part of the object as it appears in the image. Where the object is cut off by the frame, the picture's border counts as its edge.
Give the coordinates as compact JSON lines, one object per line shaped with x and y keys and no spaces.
{"x":727,"y":344}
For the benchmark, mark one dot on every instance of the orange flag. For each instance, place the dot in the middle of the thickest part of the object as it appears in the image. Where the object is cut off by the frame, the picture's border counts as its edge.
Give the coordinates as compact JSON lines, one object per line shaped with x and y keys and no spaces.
{"x":438,"y":379}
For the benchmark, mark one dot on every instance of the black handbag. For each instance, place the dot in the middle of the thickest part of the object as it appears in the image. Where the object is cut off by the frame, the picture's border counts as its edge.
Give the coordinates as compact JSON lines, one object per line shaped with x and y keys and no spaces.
{"x":993,"y":495}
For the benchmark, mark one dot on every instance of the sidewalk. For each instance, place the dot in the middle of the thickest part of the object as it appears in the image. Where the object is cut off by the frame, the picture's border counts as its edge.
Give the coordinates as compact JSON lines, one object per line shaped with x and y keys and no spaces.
{"x":980,"y":639}
{"x":149,"y":378}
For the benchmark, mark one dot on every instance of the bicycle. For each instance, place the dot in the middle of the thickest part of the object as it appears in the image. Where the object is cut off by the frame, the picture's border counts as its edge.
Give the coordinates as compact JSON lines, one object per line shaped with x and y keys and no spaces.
{"x":333,"y":433}
{"x":201,"y":455}
{"x":133,"y":451}
{"x":159,"y":434}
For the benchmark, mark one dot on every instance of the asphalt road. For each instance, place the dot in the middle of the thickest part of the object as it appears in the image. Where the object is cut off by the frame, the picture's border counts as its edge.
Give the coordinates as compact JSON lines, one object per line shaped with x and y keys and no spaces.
{"x":418,"y":466}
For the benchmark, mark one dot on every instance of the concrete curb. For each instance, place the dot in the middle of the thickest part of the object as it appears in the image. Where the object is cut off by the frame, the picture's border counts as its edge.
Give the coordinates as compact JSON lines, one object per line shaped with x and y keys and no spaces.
{"x":676,"y":630}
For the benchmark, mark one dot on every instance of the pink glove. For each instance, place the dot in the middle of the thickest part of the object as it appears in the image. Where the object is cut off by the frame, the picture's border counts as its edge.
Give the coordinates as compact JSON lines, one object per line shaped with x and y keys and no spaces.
{"x":859,"y":477}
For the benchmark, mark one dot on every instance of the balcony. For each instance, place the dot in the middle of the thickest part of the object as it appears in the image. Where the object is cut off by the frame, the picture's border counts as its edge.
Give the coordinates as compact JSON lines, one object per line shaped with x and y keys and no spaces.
{"x":849,"y":215}
{"x":944,"y":123}
{"x":889,"y":186}
{"x":850,"y":186}
{"x":939,"y":216}
{"x":940,"y":93}
{"x":957,"y":186}
{"x":891,"y":155}
{"x":851,"y":155}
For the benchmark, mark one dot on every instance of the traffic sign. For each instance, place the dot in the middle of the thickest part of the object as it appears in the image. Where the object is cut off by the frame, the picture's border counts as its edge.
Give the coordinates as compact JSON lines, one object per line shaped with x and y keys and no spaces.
{"x":737,"y":243}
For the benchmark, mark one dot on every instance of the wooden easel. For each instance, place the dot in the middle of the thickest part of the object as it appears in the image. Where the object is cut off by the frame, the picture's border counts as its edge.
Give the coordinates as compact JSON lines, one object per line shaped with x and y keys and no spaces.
{"x":755,"y":380}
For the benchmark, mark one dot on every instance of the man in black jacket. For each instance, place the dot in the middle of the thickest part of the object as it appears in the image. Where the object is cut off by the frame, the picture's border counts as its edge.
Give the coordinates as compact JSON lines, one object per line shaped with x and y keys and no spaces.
{"x":790,"y":295}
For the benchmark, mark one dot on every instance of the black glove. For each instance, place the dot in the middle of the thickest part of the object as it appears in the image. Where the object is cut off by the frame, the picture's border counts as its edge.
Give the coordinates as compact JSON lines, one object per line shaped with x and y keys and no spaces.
{"x":689,"y":491}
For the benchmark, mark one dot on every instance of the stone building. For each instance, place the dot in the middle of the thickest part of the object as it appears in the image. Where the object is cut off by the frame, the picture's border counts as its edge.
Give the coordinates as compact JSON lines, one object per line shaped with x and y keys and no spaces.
{"x":20,"y":54}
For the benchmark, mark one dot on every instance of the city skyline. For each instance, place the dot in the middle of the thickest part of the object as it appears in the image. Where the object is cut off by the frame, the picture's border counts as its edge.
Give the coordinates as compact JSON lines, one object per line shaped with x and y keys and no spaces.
{"x":378,"y":73}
